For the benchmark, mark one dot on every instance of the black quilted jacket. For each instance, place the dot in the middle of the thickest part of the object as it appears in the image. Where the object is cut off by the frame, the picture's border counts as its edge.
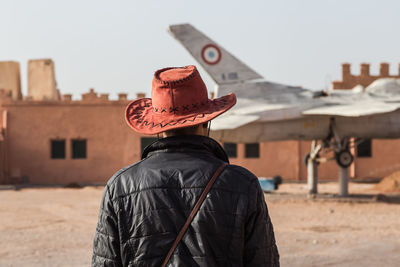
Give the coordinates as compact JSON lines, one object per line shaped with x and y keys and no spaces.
{"x":145,"y":205}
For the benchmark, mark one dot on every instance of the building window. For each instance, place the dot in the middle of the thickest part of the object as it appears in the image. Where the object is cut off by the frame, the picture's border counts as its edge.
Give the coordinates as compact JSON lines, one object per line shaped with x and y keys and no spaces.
{"x":58,"y":149}
{"x":252,"y":150}
{"x":231,"y":149}
{"x":79,"y":149}
{"x":364,"y":148}
{"x":145,"y":141}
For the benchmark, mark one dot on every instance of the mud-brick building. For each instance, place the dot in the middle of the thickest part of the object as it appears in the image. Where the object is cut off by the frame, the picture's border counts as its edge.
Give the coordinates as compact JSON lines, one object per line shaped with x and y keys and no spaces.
{"x":365,"y":78}
{"x":57,"y":142}
{"x":48,"y":138}
{"x":10,"y":79}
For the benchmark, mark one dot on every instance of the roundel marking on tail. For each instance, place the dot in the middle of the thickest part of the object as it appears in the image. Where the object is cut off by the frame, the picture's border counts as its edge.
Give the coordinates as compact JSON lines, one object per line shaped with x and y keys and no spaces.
{"x":211,"y":54}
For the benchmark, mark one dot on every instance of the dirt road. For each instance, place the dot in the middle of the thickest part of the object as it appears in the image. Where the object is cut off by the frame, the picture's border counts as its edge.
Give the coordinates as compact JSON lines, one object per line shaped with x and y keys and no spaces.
{"x":55,"y":227}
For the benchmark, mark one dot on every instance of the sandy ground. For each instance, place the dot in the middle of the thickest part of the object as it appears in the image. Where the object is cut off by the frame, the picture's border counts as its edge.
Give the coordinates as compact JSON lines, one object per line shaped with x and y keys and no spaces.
{"x":55,"y":227}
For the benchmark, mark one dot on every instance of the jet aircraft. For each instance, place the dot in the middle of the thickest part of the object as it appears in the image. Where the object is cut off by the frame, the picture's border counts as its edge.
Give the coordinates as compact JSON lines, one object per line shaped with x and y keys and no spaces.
{"x":268,"y":111}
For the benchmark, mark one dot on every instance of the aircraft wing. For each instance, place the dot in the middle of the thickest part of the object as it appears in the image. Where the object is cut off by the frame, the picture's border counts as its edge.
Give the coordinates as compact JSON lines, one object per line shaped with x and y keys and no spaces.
{"x":247,"y":111}
{"x":354,"y":110}
{"x":232,"y":121}
{"x":380,"y":97}
{"x":269,"y":101}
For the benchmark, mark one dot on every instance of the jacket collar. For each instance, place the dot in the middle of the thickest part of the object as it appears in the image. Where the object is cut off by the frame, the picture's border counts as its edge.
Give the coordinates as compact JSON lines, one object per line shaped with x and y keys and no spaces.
{"x":186,"y":143}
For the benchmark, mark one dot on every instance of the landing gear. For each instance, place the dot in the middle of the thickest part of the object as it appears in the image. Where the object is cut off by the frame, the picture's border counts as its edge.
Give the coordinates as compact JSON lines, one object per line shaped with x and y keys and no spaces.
{"x":307,"y":157}
{"x":344,"y":158}
{"x":311,"y":160}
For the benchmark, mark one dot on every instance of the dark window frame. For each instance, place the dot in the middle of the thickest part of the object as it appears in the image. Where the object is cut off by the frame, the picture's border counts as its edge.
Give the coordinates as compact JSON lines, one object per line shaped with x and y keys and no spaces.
{"x":230,"y":149}
{"x":364,"y":148}
{"x":77,"y":152}
{"x":57,"y":154}
{"x":252,"y":150}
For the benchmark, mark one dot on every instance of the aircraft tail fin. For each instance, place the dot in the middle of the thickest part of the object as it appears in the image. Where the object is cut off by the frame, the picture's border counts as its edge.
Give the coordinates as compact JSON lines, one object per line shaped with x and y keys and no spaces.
{"x":222,"y":66}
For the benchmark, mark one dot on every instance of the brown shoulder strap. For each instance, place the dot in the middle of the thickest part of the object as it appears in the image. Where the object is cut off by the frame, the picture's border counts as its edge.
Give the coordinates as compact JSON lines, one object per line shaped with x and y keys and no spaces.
{"x":193,"y":213}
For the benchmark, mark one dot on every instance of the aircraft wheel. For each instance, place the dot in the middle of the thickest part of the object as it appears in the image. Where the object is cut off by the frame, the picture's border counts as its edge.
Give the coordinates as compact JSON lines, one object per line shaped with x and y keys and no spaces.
{"x":344,"y":158}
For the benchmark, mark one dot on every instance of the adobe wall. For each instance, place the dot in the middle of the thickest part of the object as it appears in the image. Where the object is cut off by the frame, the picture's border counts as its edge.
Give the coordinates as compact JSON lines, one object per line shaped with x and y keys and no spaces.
{"x":349,"y":80}
{"x":111,"y":145}
{"x":384,"y":161}
{"x":3,"y":163}
{"x":285,"y":158}
{"x":41,"y":80}
{"x":276,"y":158}
{"x":10,"y":80}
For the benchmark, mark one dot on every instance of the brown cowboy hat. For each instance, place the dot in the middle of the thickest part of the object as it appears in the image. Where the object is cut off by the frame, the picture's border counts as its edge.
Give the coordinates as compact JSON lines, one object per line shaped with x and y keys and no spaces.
{"x":179,"y":99}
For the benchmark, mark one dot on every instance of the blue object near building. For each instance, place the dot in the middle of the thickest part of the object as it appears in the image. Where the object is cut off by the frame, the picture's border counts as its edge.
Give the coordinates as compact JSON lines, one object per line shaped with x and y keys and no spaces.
{"x":270,"y":184}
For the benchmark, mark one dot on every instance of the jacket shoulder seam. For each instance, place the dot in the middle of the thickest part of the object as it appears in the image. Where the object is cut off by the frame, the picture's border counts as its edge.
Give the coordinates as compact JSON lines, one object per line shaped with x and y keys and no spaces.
{"x":123,"y":170}
{"x":239,"y":170}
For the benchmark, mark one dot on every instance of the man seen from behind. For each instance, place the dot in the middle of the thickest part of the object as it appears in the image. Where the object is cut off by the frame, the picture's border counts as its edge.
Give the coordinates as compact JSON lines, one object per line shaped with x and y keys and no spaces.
{"x":143,"y":219}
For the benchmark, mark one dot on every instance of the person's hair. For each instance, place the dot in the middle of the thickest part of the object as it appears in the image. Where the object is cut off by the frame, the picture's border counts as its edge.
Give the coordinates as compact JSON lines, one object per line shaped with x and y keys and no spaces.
{"x":191,"y":130}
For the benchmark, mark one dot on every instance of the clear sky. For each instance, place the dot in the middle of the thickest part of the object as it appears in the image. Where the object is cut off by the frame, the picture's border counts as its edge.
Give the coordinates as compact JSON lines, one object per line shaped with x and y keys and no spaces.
{"x":115,"y":46}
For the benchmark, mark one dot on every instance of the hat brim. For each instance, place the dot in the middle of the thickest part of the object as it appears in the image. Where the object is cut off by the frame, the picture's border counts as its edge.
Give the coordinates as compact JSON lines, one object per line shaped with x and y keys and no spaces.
{"x":140,"y":116}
